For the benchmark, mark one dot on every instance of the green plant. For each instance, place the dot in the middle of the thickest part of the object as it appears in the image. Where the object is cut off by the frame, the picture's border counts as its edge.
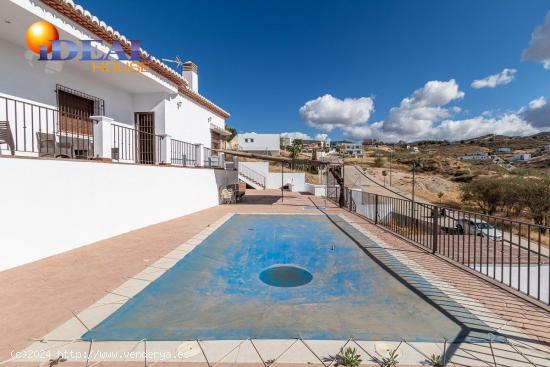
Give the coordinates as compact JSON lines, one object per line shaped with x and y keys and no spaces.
{"x":392,"y":360}
{"x":379,"y":162}
{"x":434,"y":361}
{"x":348,"y":357}
{"x":295,"y":148}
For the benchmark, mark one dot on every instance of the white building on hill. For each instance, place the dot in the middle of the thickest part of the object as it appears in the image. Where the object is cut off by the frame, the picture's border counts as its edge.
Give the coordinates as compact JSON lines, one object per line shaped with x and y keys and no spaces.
{"x":268,"y":144}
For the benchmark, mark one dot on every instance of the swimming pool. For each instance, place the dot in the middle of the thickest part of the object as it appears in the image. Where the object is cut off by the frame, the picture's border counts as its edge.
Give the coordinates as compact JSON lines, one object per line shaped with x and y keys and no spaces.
{"x":277,"y":277}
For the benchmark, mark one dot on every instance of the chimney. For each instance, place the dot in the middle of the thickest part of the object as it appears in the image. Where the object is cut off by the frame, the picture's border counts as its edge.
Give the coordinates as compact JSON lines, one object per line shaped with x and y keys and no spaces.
{"x":190,"y":74}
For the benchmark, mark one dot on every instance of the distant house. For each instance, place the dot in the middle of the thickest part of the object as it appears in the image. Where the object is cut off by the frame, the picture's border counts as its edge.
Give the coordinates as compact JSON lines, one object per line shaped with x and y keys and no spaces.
{"x":524,"y":157}
{"x":370,"y":143}
{"x":351,"y":149}
{"x":337,"y":143}
{"x":318,"y":145}
{"x":477,"y":156}
{"x":285,"y":141}
{"x":504,"y":150}
{"x":268,"y":144}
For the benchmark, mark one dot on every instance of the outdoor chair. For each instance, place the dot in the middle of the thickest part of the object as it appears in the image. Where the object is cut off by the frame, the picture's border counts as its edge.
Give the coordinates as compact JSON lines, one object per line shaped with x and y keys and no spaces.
{"x":48,"y":146}
{"x":227,"y":196}
{"x":6,"y":136}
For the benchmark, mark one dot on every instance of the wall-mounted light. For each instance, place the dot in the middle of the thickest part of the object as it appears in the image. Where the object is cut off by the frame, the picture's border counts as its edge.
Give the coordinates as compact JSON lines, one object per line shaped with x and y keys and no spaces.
{"x":210,"y":119}
{"x":179,"y":104}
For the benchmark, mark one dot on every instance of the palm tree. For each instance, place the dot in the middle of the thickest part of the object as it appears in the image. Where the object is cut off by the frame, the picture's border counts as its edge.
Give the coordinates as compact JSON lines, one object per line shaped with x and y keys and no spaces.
{"x":384,"y":173}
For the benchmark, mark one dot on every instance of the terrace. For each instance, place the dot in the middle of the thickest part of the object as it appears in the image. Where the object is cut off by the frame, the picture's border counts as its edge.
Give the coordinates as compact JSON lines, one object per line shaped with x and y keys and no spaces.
{"x":49,"y":305}
{"x":76,"y":132}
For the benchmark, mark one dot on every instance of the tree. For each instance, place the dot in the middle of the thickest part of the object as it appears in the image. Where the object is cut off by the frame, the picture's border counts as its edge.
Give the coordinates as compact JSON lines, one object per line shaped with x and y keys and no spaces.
{"x":486,"y":192}
{"x":295,"y":148}
{"x":536,"y":196}
{"x":379,"y":162}
{"x":440,"y":196}
{"x":384,"y":173}
{"x":233,"y":132}
{"x":314,"y":155}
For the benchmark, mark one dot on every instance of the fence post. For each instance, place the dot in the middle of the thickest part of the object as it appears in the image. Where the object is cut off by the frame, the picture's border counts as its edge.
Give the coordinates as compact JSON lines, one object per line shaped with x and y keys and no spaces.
{"x":375,"y":208}
{"x":102,"y":137}
{"x":435,"y":228}
{"x":165,"y":149}
{"x":221,"y":160}
{"x":199,"y":153}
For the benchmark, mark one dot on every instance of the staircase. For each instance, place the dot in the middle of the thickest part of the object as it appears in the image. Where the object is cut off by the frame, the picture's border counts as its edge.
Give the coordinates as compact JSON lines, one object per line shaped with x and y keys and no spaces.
{"x":251,"y":177}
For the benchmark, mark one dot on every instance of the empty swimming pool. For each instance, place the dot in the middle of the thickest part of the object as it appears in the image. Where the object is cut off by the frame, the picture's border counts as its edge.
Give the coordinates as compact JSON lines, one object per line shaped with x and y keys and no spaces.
{"x":277,"y":277}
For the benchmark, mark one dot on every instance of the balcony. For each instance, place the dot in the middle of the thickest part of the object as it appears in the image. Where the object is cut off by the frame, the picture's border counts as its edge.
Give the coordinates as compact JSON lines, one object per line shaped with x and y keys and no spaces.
{"x":34,"y":130}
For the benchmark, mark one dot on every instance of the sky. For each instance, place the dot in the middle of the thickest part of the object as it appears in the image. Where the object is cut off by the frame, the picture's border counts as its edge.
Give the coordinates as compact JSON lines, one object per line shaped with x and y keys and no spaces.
{"x":385,"y":69}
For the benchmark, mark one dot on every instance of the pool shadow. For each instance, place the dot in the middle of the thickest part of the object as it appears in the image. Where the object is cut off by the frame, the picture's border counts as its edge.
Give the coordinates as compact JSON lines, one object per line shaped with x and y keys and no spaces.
{"x":488,"y":340}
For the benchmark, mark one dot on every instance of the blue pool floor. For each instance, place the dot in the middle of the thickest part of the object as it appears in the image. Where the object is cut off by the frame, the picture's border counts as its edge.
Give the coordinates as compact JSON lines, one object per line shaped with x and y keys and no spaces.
{"x":215,"y":292}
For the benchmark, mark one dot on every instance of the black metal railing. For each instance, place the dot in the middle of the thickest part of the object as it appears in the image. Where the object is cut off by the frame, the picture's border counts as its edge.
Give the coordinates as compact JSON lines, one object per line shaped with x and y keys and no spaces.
{"x":211,"y":158}
{"x":183,"y":153}
{"x":511,"y":252}
{"x":133,"y":146}
{"x":31,"y":129}
{"x":252,"y":175}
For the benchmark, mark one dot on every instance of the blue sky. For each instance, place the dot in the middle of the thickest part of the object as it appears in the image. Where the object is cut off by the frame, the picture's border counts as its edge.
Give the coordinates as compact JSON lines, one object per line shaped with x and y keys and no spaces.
{"x":263,"y":60}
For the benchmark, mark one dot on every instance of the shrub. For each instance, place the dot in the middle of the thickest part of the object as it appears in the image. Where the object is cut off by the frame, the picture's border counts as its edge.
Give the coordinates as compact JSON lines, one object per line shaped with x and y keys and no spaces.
{"x":379,"y":162}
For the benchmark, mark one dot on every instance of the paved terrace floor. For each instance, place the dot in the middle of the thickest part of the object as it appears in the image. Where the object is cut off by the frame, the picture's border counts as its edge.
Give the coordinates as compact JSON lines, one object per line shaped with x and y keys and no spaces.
{"x":38,"y":297}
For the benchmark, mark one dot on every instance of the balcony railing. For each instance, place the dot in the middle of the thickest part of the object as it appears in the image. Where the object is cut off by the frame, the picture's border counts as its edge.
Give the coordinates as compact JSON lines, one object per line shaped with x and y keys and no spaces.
{"x":183,"y":153}
{"x":130,"y":145}
{"x":211,"y":158}
{"x":510,"y":252}
{"x":35,"y":130}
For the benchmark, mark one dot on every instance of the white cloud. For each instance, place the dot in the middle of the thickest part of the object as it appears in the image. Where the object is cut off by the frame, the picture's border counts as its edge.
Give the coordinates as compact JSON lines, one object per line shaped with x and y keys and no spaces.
{"x":327,"y":112}
{"x":296,"y":135}
{"x":538,"y":113}
{"x":417,"y":113}
{"x":504,"y":77}
{"x":424,"y":116}
{"x":539,"y":47}
{"x":322,"y":137}
{"x":538,"y":103}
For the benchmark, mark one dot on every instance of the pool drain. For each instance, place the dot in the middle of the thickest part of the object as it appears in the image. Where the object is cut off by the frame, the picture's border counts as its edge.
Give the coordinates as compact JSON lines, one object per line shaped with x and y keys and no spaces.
{"x":285,"y":276}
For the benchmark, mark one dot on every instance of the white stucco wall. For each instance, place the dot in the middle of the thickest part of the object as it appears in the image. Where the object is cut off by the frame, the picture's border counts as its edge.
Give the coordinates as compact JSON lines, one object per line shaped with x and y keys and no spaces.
{"x":317,"y":190}
{"x":296,"y":179}
{"x":52,"y":206}
{"x":261,"y":142}
{"x":190,"y":122}
{"x":273,"y":179}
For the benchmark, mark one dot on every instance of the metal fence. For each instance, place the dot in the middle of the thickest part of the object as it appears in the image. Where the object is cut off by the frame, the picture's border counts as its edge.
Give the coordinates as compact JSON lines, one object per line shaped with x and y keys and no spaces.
{"x":511,"y":252}
{"x":31,"y":129}
{"x":133,"y":146}
{"x":183,"y":153}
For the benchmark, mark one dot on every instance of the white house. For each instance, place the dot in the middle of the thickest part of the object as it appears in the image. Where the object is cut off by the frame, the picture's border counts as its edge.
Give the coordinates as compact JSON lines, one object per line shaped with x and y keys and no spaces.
{"x":504,"y":150}
{"x":523,"y":157}
{"x":477,"y":156}
{"x":352,"y":149}
{"x":268,"y":144}
{"x":144,"y":114}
